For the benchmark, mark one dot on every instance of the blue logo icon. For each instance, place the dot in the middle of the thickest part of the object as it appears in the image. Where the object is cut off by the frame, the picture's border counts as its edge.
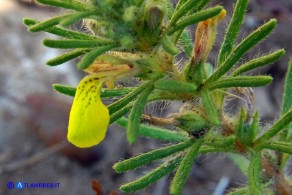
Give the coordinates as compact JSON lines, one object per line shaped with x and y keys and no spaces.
{"x":19,"y":185}
{"x":10,"y":185}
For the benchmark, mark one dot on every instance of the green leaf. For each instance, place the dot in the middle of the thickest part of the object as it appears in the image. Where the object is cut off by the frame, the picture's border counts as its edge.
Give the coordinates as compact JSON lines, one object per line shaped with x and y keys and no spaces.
{"x":179,"y":4}
{"x":156,"y":133}
{"x":69,"y":44}
{"x":136,"y":113}
{"x":241,"y":81}
{"x":152,"y":177}
{"x":120,"y":113}
{"x":151,"y":156}
{"x":69,"y":34}
{"x":282,"y":146}
{"x":287,"y":97}
{"x":210,"y":149}
{"x":127,"y":99}
{"x":90,"y":57}
{"x":254,"y":171}
{"x":220,"y":141}
{"x":194,"y":18}
{"x":258,"y":62}
{"x":210,"y":108}
{"x":286,"y":105}
{"x":105,"y":93}
{"x":182,"y":10}
{"x":184,"y":7}
{"x":175,"y":86}
{"x":254,"y":127}
{"x":232,"y":30}
{"x":63,"y":89}
{"x":283,"y":122}
{"x":67,"y":56}
{"x":71,"y":4}
{"x":200,"y":5}
{"x":75,"y":18}
{"x":246,"y":44}
{"x":42,"y":26}
{"x":184,"y":169}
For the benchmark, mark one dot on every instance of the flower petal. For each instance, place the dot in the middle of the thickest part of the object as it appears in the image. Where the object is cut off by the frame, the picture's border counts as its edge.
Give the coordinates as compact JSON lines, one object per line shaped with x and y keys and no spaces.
{"x":89,"y":117}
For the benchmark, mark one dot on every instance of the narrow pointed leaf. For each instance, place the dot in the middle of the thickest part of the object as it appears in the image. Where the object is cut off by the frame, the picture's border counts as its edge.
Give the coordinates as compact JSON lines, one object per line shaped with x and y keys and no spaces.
{"x":195,"y":18}
{"x":42,"y":26}
{"x":200,"y":5}
{"x":283,"y":122}
{"x":176,"y":86}
{"x":156,"y":133}
{"x":254,"y":171}
{"x":241,"y":81}
{"x":220,"y":141}
{"x":254,"y":127}
{"x":120,"y":113}
{"x":90,"y":57}
{"x":72,"y":4}
{"x":63,"y":89}
{"x":179,"y":4}
{"x":127,"y":99}
{"x":105,"y":93}
{"x":136,"y":113}
{"x":67,"y":56}
{"x":243,"y":47}
{"x":287,"y":97}
{"x":184,"y":169}
{"x":210,"y":108}
{"x":72,"y":43}
{"x":232,"y":30}
{"x":151,"y":156}
{"x":183,"y":9}
{"x":150,"y":178}
{"x":258,"y":62}
{"x":66,"y":33}
{"x":286,"y":105}
{"x":210,"y":149}
{"x":285,"y":147}
{"x":75,"y":18}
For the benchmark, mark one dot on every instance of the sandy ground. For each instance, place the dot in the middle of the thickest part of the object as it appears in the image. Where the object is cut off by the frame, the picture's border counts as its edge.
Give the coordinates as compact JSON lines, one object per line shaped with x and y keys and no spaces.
{"x":33,"y":118}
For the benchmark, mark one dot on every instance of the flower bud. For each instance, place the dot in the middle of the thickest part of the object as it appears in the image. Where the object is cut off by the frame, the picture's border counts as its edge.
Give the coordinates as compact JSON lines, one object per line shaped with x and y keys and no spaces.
{"x":205,"y":37}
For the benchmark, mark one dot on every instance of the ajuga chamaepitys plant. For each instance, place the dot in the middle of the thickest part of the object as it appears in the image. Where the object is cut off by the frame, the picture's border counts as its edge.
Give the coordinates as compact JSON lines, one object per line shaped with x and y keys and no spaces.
{"x":136,"y":38}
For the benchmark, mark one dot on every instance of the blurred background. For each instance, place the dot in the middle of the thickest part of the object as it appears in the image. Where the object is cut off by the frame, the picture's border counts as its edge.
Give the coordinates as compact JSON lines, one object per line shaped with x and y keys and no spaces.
{"x":33,"y":117}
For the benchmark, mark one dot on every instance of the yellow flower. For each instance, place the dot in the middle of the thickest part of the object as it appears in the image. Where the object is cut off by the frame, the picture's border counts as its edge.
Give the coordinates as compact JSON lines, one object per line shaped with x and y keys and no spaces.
{"x":89,"y":117}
